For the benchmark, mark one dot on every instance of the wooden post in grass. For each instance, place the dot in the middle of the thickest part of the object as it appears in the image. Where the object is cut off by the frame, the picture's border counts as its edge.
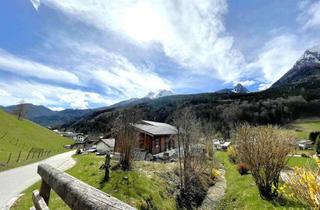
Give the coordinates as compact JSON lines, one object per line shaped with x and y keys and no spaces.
{"x":18,"y":157}
{"x":9,"y":158}
{"x":107,"y":167}
{"x":45,"y":191}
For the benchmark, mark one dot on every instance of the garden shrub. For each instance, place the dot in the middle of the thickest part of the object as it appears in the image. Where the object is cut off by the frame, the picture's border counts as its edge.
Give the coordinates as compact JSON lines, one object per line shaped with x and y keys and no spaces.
{"x":318,"y":146}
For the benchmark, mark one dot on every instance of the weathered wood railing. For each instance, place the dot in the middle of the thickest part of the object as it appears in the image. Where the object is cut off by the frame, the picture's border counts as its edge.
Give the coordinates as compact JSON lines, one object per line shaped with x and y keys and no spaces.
{"x":75,"y":193}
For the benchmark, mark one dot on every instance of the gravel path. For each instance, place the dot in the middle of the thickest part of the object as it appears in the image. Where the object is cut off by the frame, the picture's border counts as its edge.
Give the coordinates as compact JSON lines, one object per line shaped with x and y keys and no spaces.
{"x":215,"y":193}
{"x":15,"y":181}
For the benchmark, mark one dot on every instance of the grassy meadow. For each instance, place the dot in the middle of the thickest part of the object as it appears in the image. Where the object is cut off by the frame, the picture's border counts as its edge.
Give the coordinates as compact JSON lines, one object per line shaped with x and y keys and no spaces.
{"x":142,"y":187}
{"x":20,"y":136}
{"x":303,"y":127}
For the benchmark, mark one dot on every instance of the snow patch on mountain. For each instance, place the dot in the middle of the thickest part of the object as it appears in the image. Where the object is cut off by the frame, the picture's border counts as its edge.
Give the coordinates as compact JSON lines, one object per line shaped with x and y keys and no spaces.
{"x":310,"y":57}
{"x":159,"y":93}
{"x":236,"y":89}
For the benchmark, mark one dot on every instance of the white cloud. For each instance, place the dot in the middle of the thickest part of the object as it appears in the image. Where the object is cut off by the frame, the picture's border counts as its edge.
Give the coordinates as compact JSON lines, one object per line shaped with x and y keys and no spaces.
{"x":190,"y":33}
{"x":310,"y":17}
{"x":276,"y":57}
{"x":116,"y":75}
{"x":49,"y":95}
{"x":35,"y":4}
{"x":24,"y":67}
{"x":4,"y":93}
{"x":245,"y":83}
{"x":264,"y":86}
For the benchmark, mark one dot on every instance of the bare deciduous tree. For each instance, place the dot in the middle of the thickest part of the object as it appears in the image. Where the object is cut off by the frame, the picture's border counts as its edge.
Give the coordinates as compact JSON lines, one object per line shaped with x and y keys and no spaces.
{"x":21,"y":110}
{"x":126,"y":136}
{"x":264,"y":149}
{"x":192,"y":156}
{"x":209,"y":134}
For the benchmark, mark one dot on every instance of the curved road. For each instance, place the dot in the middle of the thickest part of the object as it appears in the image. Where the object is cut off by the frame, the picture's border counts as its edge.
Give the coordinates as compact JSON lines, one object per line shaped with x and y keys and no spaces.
{"x":15,"y":181}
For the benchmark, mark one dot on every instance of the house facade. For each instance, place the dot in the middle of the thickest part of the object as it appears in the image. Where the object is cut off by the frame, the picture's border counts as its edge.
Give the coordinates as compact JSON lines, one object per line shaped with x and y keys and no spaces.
{"x":105,"y":145}
{"x":154,"y":137}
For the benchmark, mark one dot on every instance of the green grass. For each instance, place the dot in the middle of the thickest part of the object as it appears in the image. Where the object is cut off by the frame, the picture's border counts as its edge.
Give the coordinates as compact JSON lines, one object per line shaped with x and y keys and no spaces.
{"x":302,"y":162}
{"x":136,"y":191}
{"x":242,"y":192}
{"x":22,"y":135}
{"x":305,"y":126}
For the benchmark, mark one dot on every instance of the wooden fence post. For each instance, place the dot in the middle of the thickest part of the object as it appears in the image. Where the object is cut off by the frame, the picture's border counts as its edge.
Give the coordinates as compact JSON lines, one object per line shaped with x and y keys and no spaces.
{"x":45,"y":191}
{"x":9,"y":158}
{"x":18,"y":157}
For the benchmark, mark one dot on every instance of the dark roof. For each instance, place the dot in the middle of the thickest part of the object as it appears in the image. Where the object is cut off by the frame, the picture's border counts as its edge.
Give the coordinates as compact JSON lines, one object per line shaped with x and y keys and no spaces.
{"x":156,"y":128}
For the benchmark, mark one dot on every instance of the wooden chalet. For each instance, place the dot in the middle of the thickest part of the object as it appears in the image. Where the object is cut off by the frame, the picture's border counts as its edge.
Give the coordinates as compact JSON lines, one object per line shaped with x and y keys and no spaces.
{"x":155,"y":137}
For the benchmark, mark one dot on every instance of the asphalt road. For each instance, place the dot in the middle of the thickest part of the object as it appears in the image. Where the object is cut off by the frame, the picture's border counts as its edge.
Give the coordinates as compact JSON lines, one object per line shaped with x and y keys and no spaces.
{"x":15,"y":181}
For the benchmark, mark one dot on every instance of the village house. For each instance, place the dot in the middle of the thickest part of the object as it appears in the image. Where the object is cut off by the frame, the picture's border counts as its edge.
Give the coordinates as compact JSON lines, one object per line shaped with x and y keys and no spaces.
{"x":154,"y":137}
{"x":80,"y":137}
{"x":104,"y":146}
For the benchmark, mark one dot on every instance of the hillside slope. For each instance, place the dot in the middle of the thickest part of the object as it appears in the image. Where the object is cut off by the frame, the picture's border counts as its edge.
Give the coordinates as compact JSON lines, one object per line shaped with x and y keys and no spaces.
{"x":21,"y":136}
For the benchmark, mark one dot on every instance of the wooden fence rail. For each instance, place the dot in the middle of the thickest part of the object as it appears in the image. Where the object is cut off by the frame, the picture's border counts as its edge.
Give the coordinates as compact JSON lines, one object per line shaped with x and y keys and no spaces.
{"x":75,"y":193}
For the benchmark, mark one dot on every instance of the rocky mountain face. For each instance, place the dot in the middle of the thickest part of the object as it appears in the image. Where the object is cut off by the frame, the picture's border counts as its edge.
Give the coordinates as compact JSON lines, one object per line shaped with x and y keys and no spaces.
{"x":236,"y":89}
{"x":306,"y":70}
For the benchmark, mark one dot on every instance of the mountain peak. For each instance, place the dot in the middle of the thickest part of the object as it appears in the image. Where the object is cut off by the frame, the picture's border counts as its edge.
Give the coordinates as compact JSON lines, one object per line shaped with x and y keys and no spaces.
{"x":159,"y":93}
{"x":306,"y":70}
{"x":239,"y":88}
{"x":310,"y":57}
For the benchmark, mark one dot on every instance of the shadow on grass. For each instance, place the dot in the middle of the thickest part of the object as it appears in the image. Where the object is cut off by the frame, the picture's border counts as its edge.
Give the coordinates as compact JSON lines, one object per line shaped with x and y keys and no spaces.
{"x":288,"y":203}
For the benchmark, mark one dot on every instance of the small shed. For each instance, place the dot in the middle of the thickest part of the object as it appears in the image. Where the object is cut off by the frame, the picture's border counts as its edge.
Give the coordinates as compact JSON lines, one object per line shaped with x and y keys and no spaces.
{"x":105,"y":145}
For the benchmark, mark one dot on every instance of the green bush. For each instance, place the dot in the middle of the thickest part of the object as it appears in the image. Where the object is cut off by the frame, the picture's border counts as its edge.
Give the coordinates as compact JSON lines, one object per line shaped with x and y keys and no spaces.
{"x":318,"y":146}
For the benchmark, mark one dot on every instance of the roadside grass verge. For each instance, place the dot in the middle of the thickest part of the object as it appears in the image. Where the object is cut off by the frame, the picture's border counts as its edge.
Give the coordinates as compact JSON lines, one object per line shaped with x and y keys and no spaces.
{"x":21,"y":136}
{"x":302,"y":162}
{"x":242,"y":192}
{"x":142,"y":189}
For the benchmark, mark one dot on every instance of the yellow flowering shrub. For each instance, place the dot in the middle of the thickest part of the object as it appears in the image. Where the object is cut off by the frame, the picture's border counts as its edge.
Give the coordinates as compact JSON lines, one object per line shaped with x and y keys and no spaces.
{"x":303,"y":185}
{"x":232,"y":154}
{"x":215,"y":173}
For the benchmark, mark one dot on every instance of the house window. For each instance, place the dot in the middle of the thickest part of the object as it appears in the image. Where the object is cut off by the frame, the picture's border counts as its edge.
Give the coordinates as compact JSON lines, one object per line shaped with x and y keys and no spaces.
{"x":157,"y":142}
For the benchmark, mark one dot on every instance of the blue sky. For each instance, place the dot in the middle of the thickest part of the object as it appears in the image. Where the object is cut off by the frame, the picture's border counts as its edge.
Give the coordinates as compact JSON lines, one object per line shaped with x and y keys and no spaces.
{"x":86,"y":54}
